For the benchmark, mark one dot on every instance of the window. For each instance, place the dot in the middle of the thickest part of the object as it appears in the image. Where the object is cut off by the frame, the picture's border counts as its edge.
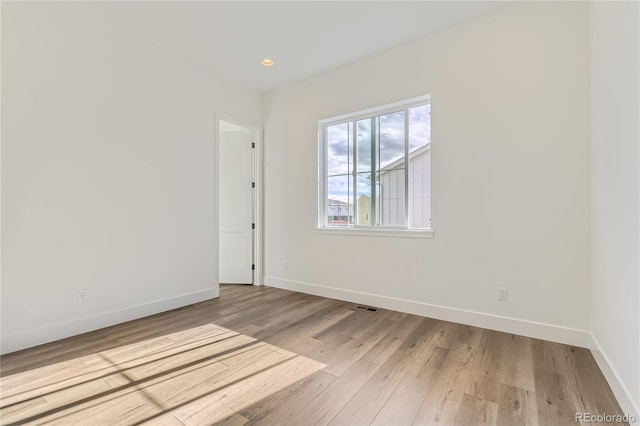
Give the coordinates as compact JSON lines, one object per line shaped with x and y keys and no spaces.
{"x":375,"y":168}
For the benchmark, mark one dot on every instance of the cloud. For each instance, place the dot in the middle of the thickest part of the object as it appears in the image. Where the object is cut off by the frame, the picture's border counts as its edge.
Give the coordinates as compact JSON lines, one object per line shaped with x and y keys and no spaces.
{"x":391,"y":138}
{"x":339,"y":149}
{"x":391,"y":147}
{"x":390,"y":141}
{"x":419,"y":126}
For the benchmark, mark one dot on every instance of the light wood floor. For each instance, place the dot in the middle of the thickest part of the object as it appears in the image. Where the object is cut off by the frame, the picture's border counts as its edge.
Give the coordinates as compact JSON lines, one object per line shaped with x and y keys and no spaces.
{"x":259,"y":355}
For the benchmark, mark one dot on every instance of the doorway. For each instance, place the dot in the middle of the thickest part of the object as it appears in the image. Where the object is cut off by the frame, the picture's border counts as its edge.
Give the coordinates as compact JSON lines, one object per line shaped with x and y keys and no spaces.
{"x":237,"y":201}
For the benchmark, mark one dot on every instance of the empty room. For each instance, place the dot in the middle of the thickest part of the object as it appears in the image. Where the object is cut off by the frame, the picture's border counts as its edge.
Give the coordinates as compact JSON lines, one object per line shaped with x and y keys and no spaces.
{"x":320,"y":212}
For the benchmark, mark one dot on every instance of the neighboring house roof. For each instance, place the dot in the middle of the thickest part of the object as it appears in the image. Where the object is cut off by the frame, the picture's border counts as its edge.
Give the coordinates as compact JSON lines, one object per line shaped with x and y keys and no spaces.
{"x":337,"y":202}
{"x":412,"y":154}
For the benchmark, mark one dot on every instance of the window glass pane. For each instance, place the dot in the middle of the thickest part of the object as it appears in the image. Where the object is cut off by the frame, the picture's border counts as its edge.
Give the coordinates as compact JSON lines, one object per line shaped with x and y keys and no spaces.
{"x":366,"y":214}
{"x":391,"y":187}
{"x":420,"y":167}
{"x":339,"y":201}
{"x":391,"y":176}
{"x":367,"y":149}
{"x":339,"y":149}
{"x":391,"y":144}
{"x":366,"y":142}
{"x":419,"y":126}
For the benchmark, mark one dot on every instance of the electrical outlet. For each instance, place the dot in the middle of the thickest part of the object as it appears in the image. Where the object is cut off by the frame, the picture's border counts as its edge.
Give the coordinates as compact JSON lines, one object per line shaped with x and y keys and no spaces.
{"x":285,"y":266}
{"x":502,"y":294}
{"x":83,"y":295}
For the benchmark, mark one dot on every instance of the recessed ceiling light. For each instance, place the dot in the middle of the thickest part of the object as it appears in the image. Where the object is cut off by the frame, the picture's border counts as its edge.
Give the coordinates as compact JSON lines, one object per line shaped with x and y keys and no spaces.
{"x":267,"y":62}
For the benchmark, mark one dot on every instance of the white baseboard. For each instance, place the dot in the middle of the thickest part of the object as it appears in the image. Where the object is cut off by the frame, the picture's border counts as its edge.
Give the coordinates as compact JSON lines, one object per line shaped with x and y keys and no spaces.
{"x":554,"y":333}
{"x":49,"y":333}
{"x":620,"y":390}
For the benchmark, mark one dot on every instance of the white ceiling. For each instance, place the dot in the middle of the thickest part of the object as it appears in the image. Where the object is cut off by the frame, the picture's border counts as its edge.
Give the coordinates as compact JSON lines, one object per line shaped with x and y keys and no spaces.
{"x":304,"y":38}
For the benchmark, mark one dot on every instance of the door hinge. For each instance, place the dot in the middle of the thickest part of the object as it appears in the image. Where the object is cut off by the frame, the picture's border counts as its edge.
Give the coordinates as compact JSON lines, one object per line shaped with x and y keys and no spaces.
{"x":253,"y":267}
{"x":253,"y":144}
{"x":253,"y":184}
{"x":253,"y":226}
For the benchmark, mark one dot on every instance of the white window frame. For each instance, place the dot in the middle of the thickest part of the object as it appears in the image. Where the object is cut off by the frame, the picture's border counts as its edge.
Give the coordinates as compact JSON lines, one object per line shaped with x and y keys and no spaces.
{"x":366,"y":230}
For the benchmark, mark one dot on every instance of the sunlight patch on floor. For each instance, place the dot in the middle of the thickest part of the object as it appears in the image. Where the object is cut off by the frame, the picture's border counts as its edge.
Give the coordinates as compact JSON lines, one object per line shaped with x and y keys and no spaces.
{"x":192,"y":377}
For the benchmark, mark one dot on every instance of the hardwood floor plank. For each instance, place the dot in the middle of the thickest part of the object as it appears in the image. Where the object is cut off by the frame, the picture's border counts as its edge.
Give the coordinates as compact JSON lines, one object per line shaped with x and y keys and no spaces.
{"x":356,"y":347}
{"x":298,"y":332}
{"x":517,"y":407}
{"x":23,"y":409}
{"x":234,"y":420}
{"x":371,"y":398}
{"x":445,"y":396}
{"x":548,"y":356}
{"x":554,"y":405}
{"x":517,"y":362}
{"x":404,"y":403}
{"x":383,"y":350}
{"x":281,"y":319}
{"x":280,"y":407}
{"x":476,"y":411}
{"x":485,"y":380}
{"x":240,"y":394}
{"x":325,"y":406}
{"x":592,"y":391}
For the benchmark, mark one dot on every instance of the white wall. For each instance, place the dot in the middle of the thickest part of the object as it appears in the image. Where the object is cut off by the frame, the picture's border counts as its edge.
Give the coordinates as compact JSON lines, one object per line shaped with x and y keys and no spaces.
{"x":107,"y":174}
{"x":615,"y":115}
{"x":510,"y":132}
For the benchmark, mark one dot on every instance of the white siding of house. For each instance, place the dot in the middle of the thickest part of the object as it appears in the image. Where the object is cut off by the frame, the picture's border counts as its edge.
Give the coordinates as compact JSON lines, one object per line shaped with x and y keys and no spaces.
{"x":392,"y":188}
{"x":420,"y":190}
{"x":392,"y":197}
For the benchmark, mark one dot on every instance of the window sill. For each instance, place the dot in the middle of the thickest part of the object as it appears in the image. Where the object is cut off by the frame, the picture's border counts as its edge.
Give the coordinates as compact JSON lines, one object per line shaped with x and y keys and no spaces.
{"x":393,"y":233}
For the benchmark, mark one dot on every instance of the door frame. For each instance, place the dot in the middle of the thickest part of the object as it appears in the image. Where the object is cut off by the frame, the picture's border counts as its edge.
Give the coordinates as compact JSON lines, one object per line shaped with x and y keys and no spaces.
{"x":256,"y":134}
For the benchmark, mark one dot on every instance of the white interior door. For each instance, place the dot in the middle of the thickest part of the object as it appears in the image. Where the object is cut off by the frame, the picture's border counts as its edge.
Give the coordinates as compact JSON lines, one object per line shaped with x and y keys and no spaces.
{"x":236,"y":204}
